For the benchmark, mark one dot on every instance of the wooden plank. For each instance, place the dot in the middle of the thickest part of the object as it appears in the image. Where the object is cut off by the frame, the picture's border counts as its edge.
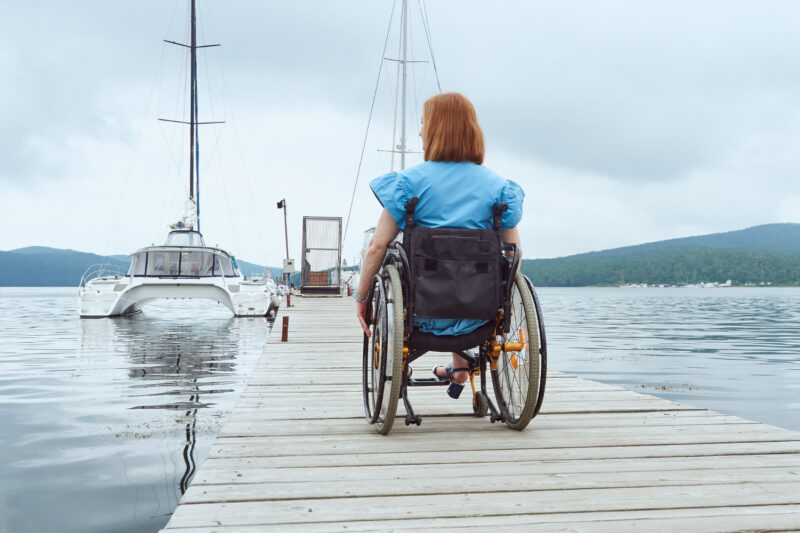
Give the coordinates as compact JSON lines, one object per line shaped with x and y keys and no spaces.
{"x":697,"y":520}
{"x":297,"y":454}
{"x":220,"y":472}
{"x":498,"y":478}
{"x":481,"y":504}
{"x":544,"y":454}
{"x":270,"y":427}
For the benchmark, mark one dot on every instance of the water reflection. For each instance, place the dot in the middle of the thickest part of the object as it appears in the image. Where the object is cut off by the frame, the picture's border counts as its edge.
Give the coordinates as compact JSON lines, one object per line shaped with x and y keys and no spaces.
{"x":182,"y":360}
{"x":105,"y":421}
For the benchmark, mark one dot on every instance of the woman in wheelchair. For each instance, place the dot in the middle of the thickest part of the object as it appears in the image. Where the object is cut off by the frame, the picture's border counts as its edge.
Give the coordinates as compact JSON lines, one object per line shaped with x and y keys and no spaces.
{"x":452,"y":284}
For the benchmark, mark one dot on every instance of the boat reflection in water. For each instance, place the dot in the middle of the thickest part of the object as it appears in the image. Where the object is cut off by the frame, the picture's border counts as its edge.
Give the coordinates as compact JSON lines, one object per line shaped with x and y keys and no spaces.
{"x":182,"y":377}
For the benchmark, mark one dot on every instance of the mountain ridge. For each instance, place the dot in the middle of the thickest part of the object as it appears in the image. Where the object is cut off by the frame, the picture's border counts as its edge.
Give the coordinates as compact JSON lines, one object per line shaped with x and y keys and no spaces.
{"x":782,"y":238}
{"x":768,"y":253}
{"x":43,"y":266}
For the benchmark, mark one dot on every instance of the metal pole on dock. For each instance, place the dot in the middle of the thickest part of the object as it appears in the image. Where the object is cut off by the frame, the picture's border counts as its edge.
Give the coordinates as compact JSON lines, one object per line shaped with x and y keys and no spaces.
{"x":282,"y":204}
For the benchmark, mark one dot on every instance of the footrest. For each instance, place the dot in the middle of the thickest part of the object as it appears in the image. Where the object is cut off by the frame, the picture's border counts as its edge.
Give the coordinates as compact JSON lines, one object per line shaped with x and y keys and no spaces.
{"x":427,"y":382}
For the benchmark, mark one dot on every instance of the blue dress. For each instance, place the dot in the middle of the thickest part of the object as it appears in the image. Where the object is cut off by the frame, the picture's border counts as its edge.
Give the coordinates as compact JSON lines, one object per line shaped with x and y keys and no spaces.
{"x":451,"y":195}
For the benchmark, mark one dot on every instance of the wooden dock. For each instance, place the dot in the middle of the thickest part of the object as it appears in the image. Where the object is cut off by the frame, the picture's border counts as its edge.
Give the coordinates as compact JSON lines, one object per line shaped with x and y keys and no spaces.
{"x":297,"y":455}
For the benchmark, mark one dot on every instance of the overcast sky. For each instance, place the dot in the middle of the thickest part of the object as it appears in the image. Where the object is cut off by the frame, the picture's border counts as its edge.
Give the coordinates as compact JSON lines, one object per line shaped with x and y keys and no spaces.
{"x":625,"y":122}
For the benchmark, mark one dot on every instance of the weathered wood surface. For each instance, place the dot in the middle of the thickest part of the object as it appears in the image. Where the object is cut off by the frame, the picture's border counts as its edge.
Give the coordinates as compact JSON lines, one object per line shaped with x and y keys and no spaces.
{"x":297,"y":455}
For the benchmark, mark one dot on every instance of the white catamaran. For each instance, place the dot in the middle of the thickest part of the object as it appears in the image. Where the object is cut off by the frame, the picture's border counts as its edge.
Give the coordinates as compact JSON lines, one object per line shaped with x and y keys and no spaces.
{"x":184,"y":267}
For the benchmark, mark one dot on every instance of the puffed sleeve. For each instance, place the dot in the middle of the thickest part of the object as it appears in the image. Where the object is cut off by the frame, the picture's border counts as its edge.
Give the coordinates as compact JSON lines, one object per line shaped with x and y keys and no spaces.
{"x":391,"y":190}
{"x":512,"y":195}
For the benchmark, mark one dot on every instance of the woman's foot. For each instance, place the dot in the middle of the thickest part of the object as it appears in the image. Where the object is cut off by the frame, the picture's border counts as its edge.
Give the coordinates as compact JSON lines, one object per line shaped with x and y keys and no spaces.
{"x":453,"y":375}
{"x":459,"y":375}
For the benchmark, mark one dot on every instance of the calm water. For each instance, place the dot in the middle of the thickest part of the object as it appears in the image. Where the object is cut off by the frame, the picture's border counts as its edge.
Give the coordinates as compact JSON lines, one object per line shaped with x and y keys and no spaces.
{"x":102,"y":421}
{"x":735,"y":350}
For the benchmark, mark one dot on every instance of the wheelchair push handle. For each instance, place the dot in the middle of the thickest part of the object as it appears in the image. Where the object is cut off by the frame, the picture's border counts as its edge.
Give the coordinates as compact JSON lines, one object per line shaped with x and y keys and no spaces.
{"x":497,"y":214}
{"x":411,"y":206}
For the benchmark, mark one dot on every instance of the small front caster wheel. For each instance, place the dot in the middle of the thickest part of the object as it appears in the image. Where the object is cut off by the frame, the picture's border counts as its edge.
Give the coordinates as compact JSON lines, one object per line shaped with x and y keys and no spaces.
{"x":480,"y":405}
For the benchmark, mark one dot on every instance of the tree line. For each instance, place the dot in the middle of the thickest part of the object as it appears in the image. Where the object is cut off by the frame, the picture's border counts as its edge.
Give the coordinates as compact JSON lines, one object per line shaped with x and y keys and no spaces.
{"x":688,"y":265}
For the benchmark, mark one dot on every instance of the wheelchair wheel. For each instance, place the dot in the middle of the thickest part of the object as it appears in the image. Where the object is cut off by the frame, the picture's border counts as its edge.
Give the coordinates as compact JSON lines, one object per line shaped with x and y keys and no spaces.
{"x":373,"y":366}
{"x":542,"y":346}
{"x":383,"y":351}
{"x":516,"y":380}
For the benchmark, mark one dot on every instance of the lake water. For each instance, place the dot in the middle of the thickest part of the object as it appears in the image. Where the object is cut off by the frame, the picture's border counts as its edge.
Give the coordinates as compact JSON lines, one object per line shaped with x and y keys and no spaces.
{"x":735,"y":350}
{"x":103,"y":421}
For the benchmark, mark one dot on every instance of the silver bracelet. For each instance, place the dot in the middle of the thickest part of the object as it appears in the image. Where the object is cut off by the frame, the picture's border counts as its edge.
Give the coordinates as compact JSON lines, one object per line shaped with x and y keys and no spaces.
{"x":359,"y":300}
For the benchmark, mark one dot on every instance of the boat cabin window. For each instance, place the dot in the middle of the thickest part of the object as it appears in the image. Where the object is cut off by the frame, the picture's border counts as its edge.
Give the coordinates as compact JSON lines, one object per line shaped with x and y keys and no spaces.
{"x":196,"y":263}
{"x":223,"y":266}
{"x":185,"y":238}
{"x":192,"y":264}
{"x":163,"y":263}
{"x":137,"y":264}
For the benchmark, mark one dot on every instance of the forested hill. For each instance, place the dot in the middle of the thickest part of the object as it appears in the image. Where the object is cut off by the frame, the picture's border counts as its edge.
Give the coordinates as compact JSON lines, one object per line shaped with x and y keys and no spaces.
{"x":779,"y":239}
{"x":40,"y":266}
{"x":768,"y":254}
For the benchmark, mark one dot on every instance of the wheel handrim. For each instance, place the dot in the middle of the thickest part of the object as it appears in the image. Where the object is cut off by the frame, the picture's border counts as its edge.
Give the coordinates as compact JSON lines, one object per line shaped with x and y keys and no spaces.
{"x":516,"y":376}
{"x":513,"y":367}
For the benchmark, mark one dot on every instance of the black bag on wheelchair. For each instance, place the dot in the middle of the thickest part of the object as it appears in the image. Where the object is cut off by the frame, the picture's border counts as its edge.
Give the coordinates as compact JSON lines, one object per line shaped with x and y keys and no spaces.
{"x":457,"y":272}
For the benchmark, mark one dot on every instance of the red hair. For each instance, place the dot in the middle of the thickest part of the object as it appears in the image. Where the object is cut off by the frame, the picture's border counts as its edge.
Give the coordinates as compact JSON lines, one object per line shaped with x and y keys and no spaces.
{"x":450,"y":129}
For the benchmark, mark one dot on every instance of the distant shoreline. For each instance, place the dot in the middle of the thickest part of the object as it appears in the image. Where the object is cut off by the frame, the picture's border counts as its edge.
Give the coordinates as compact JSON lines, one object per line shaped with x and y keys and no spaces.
{"x":773,"y":286}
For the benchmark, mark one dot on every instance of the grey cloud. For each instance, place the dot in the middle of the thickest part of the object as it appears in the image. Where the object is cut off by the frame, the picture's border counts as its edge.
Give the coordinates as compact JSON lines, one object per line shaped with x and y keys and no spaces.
{"x":631,"y":90}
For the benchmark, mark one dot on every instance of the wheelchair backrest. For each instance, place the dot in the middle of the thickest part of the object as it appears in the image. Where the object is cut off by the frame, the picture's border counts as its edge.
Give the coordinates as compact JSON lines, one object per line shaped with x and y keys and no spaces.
{"x":456,"y":273}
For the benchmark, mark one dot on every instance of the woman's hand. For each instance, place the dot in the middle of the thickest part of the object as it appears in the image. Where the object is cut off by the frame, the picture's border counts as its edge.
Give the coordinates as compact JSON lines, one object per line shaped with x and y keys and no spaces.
{"x":361,"y":310}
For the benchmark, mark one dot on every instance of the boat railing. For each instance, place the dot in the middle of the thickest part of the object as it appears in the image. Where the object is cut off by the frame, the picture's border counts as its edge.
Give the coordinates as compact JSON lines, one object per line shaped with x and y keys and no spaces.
{"x":102,"y":270}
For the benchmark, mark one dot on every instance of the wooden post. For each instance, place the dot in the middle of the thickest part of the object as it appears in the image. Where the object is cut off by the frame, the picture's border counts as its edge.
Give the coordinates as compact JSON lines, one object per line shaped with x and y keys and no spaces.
{"x":285,"y":330}
{"x":288,"y":299}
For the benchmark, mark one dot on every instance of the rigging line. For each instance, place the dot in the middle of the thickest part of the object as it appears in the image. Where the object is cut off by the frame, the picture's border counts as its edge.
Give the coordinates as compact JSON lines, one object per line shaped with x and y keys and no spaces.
{"x":415,"y":86}
{"x":396,"y":100}
{"x":209,"y":92}
{"x":241,"y":159}
{"x":228,"y":204}
{"x":369,"y":120}
{"x":166,"y":32}
{"x":133,"y":155}
{"x":418,"y":117}
{"x":160,"y":99}
{"x":166,"y":174}
{"x":177,"y":183}
{"x":424,"y":12}
{"x":227,"y":99}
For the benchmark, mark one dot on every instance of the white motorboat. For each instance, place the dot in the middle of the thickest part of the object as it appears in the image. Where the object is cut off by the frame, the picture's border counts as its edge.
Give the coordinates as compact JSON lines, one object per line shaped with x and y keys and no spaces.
{"x":184,"y":267}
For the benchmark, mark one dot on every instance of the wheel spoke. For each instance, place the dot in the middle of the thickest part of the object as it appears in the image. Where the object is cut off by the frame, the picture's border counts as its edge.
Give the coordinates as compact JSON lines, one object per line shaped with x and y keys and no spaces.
{"x":516,"y":378}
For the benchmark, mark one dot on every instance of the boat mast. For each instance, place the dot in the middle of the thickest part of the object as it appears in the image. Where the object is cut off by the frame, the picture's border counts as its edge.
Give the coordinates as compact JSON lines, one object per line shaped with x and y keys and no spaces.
{"x":194,"y":137}
{"x":194,"y":141}
{"x":404,"y":61}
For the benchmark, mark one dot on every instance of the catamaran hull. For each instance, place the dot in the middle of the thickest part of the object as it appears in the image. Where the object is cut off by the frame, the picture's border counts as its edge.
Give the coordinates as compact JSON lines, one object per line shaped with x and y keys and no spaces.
{"x":103,"y":299}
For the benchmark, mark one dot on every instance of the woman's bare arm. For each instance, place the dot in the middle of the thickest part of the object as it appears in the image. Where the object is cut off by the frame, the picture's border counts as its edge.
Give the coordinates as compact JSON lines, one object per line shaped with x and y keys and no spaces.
{"x":385,"y":232}
{"x":510,"y":236}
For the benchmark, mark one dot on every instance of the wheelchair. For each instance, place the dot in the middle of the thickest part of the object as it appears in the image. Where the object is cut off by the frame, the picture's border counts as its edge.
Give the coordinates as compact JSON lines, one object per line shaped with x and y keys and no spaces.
{"x":454,"y":273}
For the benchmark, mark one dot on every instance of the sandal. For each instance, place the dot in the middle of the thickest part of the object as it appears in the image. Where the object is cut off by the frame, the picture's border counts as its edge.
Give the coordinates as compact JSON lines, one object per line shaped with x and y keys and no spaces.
{"x":455,"y":388}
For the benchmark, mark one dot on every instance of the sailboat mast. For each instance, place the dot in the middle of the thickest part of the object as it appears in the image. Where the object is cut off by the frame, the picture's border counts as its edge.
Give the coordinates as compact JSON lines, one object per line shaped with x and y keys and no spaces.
{"x":405,"y":70}
{"x":193,"y":141}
